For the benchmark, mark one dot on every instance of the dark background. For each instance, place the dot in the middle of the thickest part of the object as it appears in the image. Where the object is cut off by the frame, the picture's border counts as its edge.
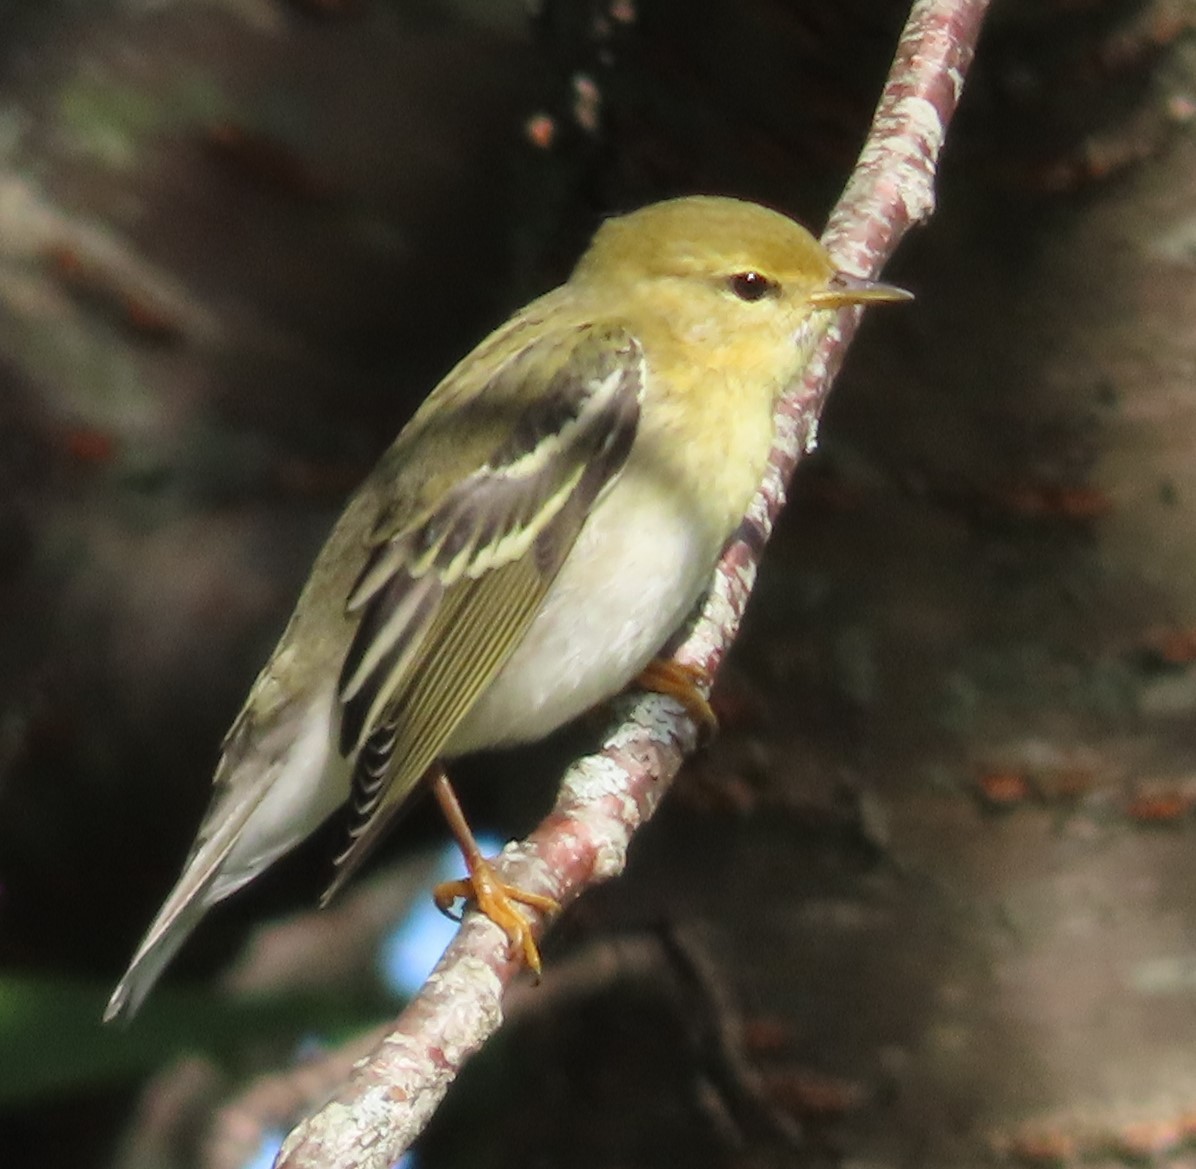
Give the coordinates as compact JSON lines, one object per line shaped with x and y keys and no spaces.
{"x":928,"y":898}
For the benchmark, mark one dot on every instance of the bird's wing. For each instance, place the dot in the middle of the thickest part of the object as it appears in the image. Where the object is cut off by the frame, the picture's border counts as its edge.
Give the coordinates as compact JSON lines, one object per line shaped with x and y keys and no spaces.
{"x":445,"y":598}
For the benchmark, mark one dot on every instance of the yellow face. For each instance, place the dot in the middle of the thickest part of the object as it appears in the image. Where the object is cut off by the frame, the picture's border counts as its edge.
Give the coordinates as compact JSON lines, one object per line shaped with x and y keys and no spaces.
{"x":719,"y":271}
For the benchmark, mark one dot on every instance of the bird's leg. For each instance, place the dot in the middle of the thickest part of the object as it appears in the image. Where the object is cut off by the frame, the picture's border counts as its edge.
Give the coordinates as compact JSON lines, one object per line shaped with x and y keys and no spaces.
{"x":493,"y":896}
{"x":683,"y":683}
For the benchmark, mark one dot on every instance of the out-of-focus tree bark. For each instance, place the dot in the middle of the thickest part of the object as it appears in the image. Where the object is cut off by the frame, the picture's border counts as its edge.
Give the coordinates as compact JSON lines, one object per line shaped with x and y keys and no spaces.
{"x":238,"y":242}
{"x":929,"y":897}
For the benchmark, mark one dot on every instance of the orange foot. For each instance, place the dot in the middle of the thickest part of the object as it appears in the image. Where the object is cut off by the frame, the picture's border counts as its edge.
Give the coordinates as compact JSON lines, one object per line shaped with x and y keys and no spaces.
{"x":685,"y":684}
{"x":496,"y":899}
{"x":493,"y":896}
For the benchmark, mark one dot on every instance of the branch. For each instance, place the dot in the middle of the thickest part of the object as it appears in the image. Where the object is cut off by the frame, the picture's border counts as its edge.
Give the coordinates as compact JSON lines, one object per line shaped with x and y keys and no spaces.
{"x":604,"y":798}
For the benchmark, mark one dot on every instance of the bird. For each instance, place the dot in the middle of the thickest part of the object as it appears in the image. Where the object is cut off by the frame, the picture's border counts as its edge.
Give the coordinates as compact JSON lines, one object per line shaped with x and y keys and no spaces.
{"x":522,"y":552}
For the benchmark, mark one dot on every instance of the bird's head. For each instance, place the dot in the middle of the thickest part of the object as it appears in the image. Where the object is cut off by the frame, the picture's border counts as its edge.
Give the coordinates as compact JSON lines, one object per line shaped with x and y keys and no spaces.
{"x":719,"y":271}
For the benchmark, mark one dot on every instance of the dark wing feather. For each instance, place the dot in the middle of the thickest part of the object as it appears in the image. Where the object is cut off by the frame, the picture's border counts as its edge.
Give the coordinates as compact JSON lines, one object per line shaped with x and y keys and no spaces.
{"x":444,"y":601}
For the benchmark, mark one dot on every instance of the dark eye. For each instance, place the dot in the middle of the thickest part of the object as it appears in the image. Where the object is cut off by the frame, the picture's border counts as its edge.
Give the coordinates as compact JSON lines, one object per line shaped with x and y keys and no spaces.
{"x":751,"y":286}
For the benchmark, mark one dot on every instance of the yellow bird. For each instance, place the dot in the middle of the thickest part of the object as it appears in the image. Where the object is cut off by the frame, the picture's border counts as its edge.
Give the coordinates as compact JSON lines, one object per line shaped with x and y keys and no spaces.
{"x":533,"y":537}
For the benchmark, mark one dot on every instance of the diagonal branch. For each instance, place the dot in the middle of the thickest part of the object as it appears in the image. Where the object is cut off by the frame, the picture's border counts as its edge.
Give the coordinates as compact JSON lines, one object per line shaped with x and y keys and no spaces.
{"x":391,"y":1094}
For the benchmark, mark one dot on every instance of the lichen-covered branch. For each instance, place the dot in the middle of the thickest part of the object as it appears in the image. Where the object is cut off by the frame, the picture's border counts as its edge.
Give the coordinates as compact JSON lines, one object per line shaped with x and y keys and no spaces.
{"x":604,"y":798}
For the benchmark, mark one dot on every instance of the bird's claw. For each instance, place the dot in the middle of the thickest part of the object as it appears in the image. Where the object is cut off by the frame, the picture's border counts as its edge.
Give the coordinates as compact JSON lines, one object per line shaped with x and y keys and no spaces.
{"x":498,"y":901}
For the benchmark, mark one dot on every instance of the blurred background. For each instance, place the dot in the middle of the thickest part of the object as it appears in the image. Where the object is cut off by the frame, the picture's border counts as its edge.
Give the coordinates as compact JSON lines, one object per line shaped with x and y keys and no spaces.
{"x":928,"y":898}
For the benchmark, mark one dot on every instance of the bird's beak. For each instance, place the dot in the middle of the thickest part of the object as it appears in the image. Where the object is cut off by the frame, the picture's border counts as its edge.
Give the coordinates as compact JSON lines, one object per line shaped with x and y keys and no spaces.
{"x":843,"y":289}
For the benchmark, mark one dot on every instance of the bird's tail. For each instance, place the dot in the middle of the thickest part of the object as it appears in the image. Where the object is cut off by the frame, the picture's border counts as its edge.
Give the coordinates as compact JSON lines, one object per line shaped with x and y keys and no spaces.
{"x":197,"y":890}
{"x":152,"y":957}
{"x":272,"y":789}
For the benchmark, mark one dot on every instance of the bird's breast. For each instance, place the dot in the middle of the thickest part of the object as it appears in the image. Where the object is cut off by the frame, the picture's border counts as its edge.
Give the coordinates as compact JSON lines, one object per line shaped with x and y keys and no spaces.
{"x":640,"y":563}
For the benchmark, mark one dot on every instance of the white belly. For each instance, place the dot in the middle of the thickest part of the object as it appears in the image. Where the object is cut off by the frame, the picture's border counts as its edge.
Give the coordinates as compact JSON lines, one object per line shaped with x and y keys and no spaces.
{"x":633,"y":576}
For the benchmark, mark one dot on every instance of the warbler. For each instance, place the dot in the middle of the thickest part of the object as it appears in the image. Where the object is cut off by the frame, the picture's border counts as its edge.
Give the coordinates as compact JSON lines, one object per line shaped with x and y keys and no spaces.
{"x":546,"y":521}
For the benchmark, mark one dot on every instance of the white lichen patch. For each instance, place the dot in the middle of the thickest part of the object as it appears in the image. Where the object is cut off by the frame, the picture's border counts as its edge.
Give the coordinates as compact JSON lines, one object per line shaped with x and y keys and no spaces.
{"x":653,"y":719}
{"x":529,"y":871}
{"x":610,"y":859}
{"x":473,"y":993}
{"x":594,"y":778}
{"x":917,"y":129}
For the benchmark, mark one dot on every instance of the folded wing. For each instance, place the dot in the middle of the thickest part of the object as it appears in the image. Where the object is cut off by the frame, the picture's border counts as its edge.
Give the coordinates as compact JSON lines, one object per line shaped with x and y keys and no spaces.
{"x":447,"y":594}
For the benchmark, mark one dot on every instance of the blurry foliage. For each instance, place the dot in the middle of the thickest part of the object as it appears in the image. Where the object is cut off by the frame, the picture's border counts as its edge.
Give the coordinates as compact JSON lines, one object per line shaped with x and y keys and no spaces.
{"x":53,"y":1042}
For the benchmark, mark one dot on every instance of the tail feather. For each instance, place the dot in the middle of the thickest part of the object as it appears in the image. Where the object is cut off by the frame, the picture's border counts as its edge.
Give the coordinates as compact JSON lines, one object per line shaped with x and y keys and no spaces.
{"x":189,"y":900}
{"x":152,"y":957}
{"x":270,"y":793}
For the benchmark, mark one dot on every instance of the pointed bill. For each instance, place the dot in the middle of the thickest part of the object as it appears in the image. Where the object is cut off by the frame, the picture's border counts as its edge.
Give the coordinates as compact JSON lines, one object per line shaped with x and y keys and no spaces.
{"x":844,"y":289}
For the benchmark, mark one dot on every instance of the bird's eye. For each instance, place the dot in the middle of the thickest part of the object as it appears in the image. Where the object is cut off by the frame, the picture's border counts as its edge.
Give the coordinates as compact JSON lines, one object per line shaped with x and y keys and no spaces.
{"x":751,"y":286}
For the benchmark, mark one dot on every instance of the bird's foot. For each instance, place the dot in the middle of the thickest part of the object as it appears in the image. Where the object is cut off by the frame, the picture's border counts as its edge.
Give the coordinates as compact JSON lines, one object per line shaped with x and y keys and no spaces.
{"x":500,"y":903}
{"x":686,"y":684}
